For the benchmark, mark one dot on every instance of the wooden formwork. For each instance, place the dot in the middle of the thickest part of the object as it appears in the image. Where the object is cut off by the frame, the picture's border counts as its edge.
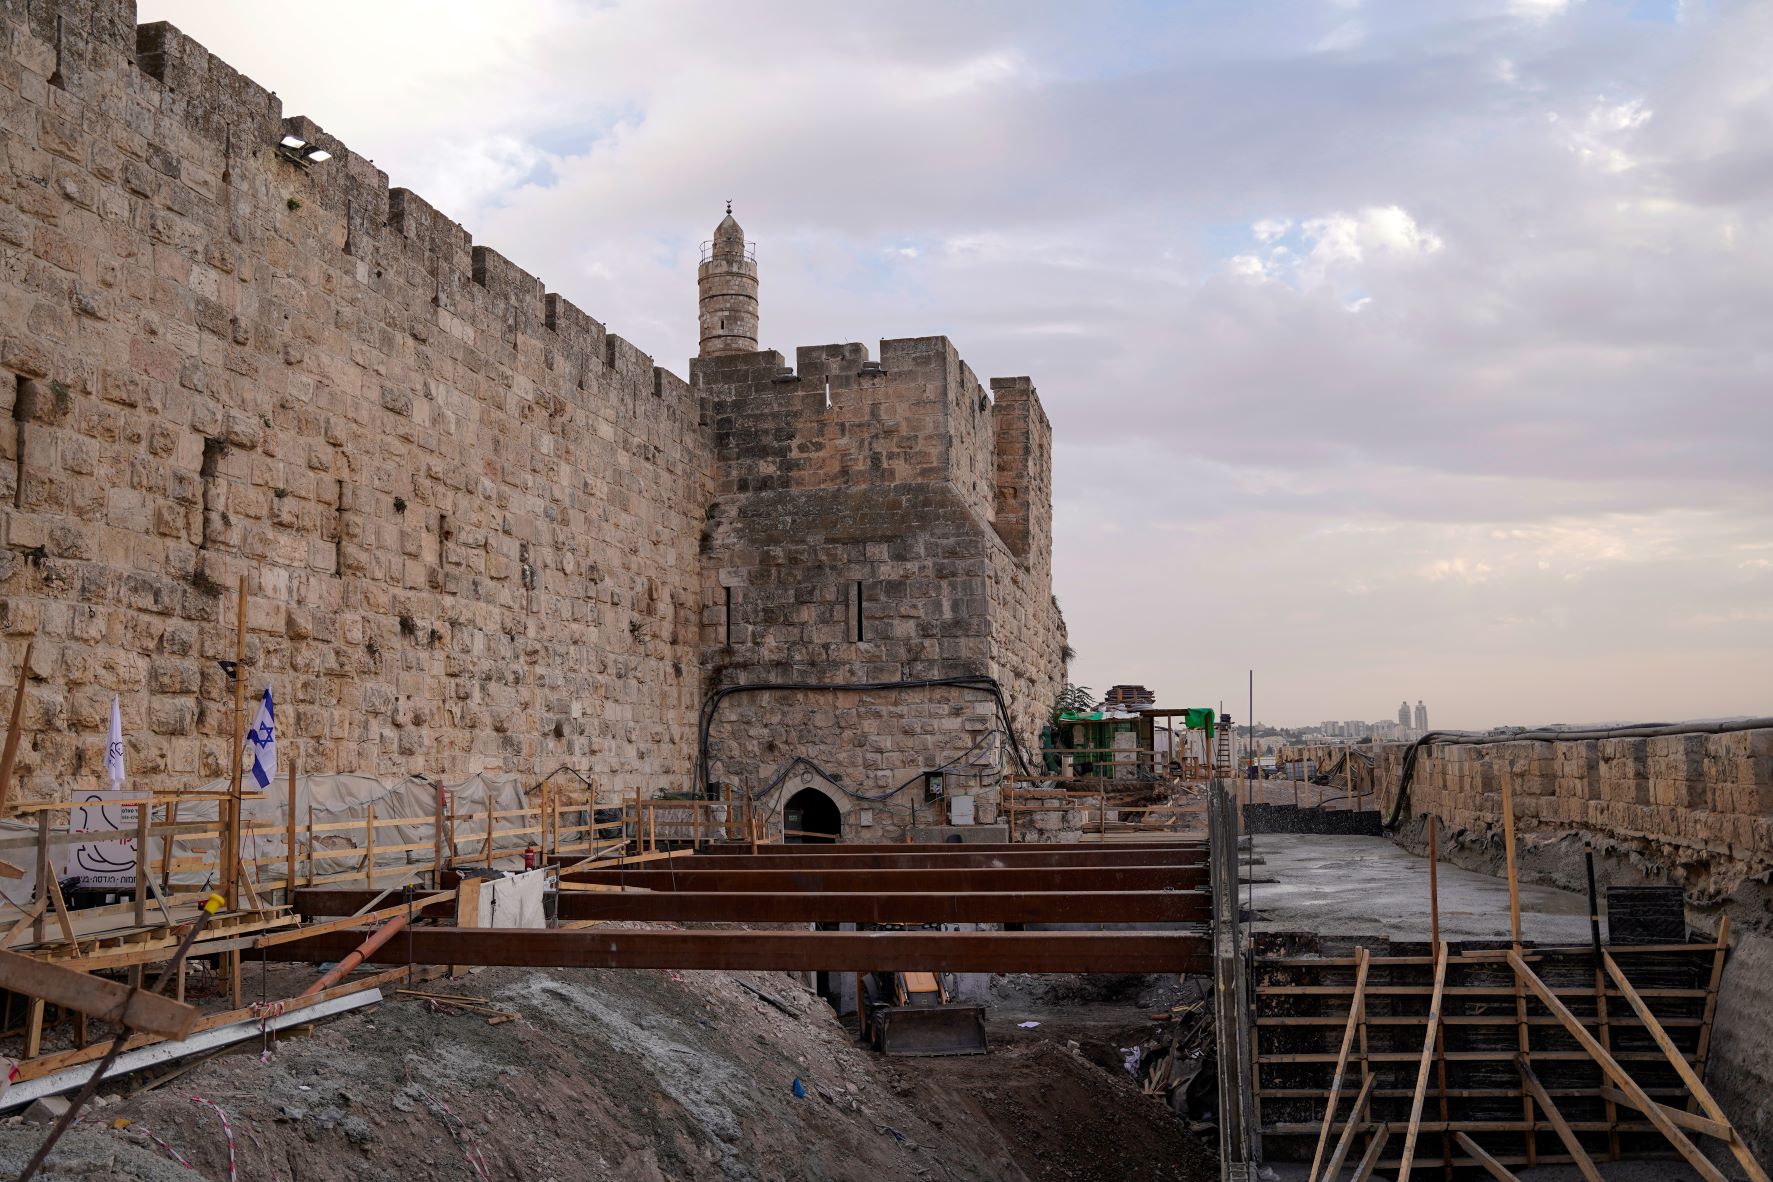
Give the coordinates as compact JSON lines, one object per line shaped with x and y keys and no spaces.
{"x":1482,"y":1087}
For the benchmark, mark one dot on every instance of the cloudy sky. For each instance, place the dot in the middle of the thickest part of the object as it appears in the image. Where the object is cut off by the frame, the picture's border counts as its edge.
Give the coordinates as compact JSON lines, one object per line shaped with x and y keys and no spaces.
{"x":1393,"y":349}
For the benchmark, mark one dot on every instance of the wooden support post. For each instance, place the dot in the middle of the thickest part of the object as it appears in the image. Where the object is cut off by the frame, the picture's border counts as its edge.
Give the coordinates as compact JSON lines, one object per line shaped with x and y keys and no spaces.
{"x":34,"y":1028}
{"x":1434,"y":925}
{"x":467,"y":914}
{"x":696,"y":824}
{"x":1478,"y":1154}
{"x":14,"y":727}
{"x":652,"y":818}
{"x":1703,"y":1052}
{"x":1573,"y":1146}
{"x":369,"y":848}
{"x":166,"y":844}
{"x":542,"y":829}
{"x":144,"y":820}
{"x":1103,"y":828}
{"x":438,"y":862}
{"x":1620,"y":1077}
{"x":489,"y":827}
{"x":44,"y":881}
{"x":230,"y":837}
{"x":310,"y":844}
{"x":1600,"y":996}
{"x":1522,"y":1045}
{"x":289,"y":838}
{"x":1428,"y":1045}
{"x":754,"y":831}
{"x":1685,"y":1070}
{"x":1354,"y":1011}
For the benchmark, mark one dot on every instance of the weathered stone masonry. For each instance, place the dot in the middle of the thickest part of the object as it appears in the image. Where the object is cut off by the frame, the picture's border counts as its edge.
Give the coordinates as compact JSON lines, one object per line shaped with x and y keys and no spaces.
{"x":479,"y":530}
{"x":857,"y":537}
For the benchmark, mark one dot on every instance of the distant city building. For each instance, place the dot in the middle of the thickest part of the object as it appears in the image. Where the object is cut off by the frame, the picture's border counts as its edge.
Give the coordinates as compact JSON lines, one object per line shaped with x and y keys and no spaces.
{"x":1129,"y":697}
{"x":1421,"y":716}
{"x":1403,"y":714}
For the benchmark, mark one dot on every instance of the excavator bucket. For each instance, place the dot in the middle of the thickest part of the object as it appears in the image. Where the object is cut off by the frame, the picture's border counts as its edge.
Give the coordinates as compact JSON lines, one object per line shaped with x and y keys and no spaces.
{"x":930,"y":1030}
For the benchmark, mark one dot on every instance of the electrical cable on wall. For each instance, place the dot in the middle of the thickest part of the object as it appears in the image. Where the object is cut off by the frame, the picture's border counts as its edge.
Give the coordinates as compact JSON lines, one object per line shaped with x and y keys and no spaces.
{"x":987,"y":685}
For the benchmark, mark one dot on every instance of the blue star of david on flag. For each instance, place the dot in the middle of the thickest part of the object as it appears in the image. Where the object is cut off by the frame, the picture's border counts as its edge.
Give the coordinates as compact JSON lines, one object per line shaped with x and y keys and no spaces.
{"x":261,"y":745}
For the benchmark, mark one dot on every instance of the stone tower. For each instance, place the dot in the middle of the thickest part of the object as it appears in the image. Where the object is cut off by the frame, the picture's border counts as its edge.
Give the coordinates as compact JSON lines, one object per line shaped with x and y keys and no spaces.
{"x":727,"y":285}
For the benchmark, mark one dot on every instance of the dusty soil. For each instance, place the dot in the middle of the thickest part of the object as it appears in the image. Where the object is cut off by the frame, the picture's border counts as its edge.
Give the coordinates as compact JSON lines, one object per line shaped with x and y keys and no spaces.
{"x":645,"y":1076}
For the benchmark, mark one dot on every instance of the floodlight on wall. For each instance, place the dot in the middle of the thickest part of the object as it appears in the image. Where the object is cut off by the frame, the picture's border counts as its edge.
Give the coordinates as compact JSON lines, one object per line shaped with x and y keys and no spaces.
{"x":297,"y":150}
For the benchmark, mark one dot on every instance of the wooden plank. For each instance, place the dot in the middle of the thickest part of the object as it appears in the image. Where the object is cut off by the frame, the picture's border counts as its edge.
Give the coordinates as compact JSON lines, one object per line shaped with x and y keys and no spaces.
{"x":1688,"y":1076}
{"x":1558,"y":1124}
{"x":25,"y":920}
{"x":1356,"y":1122}
{"x":1620,"y":1077}
{"x":355,"y":921}
{"x":1428,"y":1045}
{"x":49,"y":1064}
{"x":1680,"y":1116}
{"x":102,"y":998}
{"x":1478,"y":1154}
{"x":1323,"y":1137}
{"x":1370,"y":1160}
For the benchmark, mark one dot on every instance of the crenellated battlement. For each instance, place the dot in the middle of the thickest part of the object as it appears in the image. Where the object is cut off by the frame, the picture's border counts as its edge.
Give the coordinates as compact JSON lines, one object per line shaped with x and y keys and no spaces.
{"x":839,"y":418}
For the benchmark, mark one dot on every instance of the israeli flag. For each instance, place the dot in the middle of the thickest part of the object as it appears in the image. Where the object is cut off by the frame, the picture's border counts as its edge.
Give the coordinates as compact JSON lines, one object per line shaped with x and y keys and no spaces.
{"x":261,"y":745}
{"x":114,"y":749}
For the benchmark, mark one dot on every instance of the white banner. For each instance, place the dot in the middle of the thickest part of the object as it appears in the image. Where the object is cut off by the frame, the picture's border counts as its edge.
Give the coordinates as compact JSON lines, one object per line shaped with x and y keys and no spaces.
{"x":107,"y":860}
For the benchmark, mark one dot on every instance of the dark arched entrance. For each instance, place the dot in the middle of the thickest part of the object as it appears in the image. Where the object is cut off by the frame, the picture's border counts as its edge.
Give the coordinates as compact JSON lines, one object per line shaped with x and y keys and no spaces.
{"x":811,"y":816}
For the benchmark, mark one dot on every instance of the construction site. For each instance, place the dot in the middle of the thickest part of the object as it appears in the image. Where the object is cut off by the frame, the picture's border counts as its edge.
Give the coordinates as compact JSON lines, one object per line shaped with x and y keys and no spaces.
{"x":443,"y":743}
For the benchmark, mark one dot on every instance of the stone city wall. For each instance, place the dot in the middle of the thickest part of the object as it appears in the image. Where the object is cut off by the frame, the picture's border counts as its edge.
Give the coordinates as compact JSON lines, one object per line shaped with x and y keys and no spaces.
{"x":479,"y":531}
{"x":467,"y":515}
{"x":1700,"y":804}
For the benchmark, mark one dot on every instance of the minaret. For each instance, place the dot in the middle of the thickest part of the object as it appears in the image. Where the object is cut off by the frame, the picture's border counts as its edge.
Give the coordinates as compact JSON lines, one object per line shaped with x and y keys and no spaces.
{"x":727,"y":285}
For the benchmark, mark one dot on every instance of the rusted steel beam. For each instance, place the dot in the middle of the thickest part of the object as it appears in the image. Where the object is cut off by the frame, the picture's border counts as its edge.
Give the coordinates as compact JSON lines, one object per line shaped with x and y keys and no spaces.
{"x":1093,"y":878}
{"x":945,"y":952}
{"x":852,"y":907}
{"x":922,"y":861}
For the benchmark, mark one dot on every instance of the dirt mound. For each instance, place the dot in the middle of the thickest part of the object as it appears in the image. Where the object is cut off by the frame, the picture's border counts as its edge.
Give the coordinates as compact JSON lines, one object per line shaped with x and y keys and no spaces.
{"x":638,"y":1076}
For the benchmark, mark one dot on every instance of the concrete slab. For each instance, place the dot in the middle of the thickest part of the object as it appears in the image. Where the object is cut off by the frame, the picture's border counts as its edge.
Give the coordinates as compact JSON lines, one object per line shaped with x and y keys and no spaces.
{"x":1350,"y":886}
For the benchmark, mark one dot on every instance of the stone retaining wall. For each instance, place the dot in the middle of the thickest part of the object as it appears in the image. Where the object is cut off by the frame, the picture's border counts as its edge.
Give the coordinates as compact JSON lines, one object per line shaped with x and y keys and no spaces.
{"x":1700,"y":803}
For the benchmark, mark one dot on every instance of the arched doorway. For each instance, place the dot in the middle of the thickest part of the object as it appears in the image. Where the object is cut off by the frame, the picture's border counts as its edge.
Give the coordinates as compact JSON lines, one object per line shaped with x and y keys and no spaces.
{"x":811,"y":816}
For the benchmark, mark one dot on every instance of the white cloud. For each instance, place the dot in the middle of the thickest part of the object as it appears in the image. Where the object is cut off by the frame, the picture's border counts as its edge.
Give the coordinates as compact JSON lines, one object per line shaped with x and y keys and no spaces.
{"x":1555,"y":384}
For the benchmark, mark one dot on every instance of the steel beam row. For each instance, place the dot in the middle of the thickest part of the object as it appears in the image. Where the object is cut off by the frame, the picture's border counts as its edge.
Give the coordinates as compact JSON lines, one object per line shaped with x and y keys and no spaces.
{"x":695,"y":906}
{"x":946,"y":952}
{"x":961,"y":859}
{"x":843,"y":849}
{"x":666,"y":877}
